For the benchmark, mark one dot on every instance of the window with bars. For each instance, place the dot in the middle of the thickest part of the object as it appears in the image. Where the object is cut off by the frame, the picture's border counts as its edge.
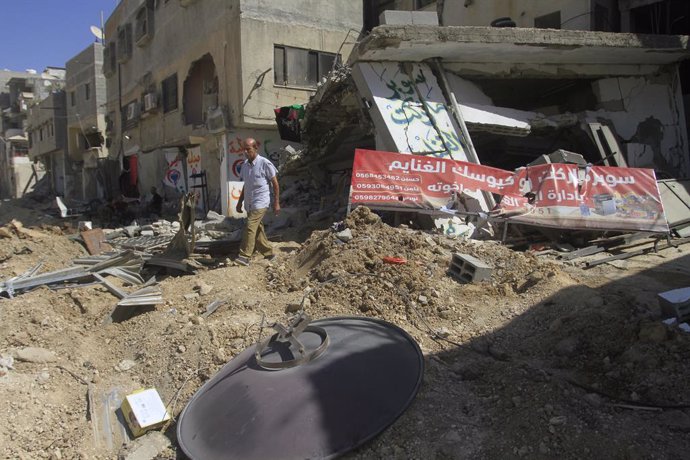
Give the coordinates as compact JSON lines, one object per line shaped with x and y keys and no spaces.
{"x":301,"y":67}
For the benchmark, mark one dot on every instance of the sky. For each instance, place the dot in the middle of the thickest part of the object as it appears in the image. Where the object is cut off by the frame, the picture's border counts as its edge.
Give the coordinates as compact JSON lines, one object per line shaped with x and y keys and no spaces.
{"x":36,"y":34}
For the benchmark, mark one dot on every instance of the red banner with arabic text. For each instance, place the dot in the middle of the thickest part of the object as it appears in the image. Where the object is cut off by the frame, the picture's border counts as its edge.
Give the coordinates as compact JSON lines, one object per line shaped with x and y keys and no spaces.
{"x":551,"y":195}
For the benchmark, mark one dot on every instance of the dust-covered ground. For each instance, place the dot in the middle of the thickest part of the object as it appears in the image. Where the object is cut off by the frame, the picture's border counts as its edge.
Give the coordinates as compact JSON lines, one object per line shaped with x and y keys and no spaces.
{"x":545,"y":360}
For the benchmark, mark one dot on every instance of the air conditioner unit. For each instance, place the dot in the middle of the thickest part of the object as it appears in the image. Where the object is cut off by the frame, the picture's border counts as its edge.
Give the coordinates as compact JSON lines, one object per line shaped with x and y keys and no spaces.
{"x":215,"y":121}
{"x":132,"y":111}
{"x":150,"y":102}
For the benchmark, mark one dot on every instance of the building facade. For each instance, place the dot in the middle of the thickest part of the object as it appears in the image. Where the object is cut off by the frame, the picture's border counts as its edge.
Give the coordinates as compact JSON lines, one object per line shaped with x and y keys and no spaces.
{"x":85,"y":91}
{"x":188,"y":80}
{"x":46,"y":132}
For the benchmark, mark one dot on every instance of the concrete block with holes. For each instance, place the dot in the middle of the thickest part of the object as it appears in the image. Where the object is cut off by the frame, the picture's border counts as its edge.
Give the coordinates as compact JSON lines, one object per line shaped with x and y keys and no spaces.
{"x":675,"y":303}
{"x":468,"y":269}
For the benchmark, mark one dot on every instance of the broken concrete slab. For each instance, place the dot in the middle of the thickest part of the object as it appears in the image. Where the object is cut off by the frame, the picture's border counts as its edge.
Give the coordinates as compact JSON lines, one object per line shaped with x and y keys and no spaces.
{"x":147,"y":447}
{"x":35,"y":355}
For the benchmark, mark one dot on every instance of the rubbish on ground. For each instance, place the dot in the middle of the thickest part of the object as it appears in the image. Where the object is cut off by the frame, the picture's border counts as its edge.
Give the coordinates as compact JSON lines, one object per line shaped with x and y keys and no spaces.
{"x":144,"y":410}
{"x":69,"y":212}
{"x":149,"y":295}
{"x":671,"y":243}
{"x":212,"y":307}
{"x":394,"y":260}
{"x":455,"y":227}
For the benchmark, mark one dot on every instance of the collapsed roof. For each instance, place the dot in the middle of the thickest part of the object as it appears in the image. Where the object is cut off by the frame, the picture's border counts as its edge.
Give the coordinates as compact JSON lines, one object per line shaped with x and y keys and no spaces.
{"x":614,"y":98}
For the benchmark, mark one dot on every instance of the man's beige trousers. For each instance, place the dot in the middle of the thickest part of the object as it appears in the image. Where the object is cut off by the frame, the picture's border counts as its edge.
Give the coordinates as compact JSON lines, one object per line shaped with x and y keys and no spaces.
{"x":254,"y":236}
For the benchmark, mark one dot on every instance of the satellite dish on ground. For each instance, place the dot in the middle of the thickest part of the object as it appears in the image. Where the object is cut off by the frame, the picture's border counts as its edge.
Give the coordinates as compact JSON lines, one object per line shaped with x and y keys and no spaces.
{"x":97,"y":32}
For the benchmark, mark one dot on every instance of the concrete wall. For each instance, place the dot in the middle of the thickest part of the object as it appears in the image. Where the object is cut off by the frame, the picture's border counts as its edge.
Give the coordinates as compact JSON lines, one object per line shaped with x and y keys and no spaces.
{"x":575,"y":14}
{"x":647,"y":114}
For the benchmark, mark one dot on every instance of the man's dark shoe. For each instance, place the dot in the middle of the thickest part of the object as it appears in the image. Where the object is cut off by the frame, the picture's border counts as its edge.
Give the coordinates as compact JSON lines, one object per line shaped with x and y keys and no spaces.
{"x":271,"y":258}
{"x":241,"y":260}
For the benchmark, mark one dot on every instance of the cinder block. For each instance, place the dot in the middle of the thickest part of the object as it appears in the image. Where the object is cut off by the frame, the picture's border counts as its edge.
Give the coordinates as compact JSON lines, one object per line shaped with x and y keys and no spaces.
{"x":395,"y":17}
{"x":468,"y":269}
{"x":675,"y":303}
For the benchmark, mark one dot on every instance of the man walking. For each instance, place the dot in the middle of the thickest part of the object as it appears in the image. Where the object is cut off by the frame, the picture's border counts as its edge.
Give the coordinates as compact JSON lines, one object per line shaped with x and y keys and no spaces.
{"x":256,"y":173}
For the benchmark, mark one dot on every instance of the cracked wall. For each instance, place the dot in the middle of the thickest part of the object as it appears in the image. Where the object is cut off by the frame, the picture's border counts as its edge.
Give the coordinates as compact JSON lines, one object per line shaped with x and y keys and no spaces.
{"x":648,"y":116}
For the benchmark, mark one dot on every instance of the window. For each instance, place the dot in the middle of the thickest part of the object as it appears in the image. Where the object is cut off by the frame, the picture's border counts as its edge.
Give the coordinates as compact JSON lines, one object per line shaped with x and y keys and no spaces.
{"x":601,"y":19}
{"x":87,"y":91}
{"x":124,"y":43}
{"x":109,"y":59}
{"x":548,"y":21}
{"x":301,"y":67}
{"x":72,"y":98}
{"x":40,"y":134}
{"x":169,"y":92}
{"x":143,"y":29}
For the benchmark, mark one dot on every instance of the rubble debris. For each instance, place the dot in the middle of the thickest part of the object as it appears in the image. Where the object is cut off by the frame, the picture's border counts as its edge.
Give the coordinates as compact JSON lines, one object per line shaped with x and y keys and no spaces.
{"x":671,"y":243}
{"x":148,"y":447}
{"x":23,"y":232}
{"x":6,"y":364}
{"x":203,"y":288}
{"x":345,"y":235}
{"x":149,"y":295}
{"x":143,"y":243}
{"x":124,"y":265}
{"x":35,"y":355}
{"x":66,"y":212}
{"x":212,"y":307}
{"x":182,"y":244}
{"x":95,"y":241}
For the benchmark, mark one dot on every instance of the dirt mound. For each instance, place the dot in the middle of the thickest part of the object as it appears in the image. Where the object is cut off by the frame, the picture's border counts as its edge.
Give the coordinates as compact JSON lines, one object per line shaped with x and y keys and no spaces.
{"x":351,"y":260}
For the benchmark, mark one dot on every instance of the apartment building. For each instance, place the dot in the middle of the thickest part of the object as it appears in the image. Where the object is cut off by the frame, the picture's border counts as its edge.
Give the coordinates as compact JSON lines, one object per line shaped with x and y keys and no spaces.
{"x":18,"y":91}
{"x":46,"y":133}
{"x":188,"y":80}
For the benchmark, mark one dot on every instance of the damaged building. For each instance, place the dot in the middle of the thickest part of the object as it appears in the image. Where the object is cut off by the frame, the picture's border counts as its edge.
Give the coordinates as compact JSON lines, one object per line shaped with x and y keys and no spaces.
{"x":180,"y":102}
{"x":614,"y":98}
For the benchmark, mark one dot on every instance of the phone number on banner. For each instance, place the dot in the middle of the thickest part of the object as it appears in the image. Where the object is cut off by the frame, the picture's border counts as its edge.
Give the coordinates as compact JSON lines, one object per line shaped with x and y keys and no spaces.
{"x":360,"y":197}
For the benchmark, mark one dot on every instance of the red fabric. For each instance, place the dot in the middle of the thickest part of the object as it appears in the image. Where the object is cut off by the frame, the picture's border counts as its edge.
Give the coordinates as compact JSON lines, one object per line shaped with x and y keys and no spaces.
{"x":133,"y":170}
